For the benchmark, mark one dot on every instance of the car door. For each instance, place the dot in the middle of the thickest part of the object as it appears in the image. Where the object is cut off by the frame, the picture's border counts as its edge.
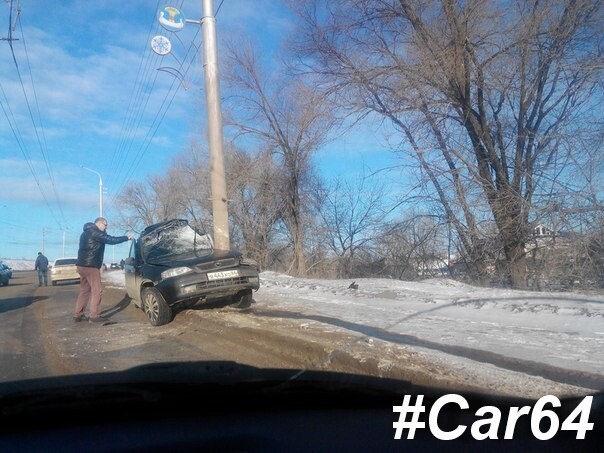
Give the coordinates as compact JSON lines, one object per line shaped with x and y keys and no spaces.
{"x":130,"y":273}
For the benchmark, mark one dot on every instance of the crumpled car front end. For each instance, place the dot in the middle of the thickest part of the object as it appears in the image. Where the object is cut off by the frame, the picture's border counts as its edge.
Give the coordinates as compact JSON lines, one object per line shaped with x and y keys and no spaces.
{"x":220,"y":275}
{"x":184,"y":266}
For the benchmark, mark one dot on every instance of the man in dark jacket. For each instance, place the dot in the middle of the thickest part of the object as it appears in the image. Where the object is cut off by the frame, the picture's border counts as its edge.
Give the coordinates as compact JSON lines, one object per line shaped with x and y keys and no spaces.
{"x":90,"y":260}
{"x":42,"y":268}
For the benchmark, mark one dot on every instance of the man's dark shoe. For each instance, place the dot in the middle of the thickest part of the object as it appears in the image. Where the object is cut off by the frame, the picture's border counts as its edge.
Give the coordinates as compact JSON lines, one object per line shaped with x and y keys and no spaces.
{"x":80,"y":318}
{"x":97,"y":319}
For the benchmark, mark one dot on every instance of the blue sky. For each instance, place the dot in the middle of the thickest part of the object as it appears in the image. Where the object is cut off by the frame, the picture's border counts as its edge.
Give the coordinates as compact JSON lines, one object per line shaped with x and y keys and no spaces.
{"x":85,"y":91}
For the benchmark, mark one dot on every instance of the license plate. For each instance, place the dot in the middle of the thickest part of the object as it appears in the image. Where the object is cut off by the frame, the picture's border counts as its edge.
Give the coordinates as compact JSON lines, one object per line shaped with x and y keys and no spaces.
{"x":220,"y":275}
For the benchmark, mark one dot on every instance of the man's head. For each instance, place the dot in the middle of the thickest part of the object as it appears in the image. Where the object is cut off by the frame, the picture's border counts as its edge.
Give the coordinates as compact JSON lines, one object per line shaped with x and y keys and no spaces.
{"x":101,"y":222}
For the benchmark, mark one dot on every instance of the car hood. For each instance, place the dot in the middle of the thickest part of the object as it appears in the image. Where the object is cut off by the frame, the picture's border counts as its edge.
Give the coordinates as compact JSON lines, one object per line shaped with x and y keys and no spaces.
{"x":196,"y":258}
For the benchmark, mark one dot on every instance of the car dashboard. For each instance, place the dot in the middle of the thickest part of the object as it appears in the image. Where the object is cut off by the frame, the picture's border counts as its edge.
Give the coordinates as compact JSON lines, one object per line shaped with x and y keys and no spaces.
{"x":227,"y":407}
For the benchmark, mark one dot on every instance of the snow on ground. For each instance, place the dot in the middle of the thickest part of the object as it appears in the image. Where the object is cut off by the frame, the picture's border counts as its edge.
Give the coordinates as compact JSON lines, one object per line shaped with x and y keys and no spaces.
{"x":19,"y":265}
{"x":560,"y":330}
{"x":486,"y":325}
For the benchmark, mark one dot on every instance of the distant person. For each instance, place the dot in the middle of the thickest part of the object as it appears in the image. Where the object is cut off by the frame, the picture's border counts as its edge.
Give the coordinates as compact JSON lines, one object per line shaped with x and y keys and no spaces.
{"x":42,"y":268}
{"x":90,"y":259}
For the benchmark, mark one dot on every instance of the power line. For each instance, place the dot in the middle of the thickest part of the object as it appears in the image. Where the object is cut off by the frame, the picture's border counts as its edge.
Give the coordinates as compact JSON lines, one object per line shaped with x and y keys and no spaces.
{"x":135,"y":115}
{"x":218,"y":9}
{"x":45,"y":147}
{"x":18,"y":137}
{"x":131,"y":112}
{"x":147,"y":141}
{"x":14,"y":126}
{"x":159,"y":116}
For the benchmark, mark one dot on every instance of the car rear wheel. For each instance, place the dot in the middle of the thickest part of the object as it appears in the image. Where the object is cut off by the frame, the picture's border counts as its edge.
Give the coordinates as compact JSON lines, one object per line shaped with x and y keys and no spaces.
{"x":155,"y":307}
{"x":243,"y":300}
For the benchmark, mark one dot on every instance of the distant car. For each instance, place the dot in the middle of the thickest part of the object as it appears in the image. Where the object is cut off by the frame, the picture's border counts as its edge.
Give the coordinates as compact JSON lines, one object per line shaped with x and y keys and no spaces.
{"x":7,"y":268}
{"x":6,"y":274}
{"x":173,"y":265}
{"x":64,"y":269}
{"x":114,"y":266}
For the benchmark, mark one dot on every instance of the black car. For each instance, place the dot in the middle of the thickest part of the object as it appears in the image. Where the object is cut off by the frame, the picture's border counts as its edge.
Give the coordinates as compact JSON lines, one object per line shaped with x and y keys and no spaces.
{"x":172,"y":265}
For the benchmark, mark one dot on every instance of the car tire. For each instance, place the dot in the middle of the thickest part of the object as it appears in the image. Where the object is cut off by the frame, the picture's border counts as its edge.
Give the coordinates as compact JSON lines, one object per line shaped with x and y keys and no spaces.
{"x":244,"y":300}
{"x":155,"y":307}
{"x":53,"y":283}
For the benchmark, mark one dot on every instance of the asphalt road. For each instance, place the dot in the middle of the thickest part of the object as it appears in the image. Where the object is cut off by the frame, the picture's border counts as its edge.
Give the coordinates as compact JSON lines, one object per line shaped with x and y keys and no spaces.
{"x":39,"y":338}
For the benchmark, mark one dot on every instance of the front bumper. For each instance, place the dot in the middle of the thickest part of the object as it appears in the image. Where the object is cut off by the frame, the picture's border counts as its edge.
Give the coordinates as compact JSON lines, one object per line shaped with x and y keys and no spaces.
{"x":197,"y":286}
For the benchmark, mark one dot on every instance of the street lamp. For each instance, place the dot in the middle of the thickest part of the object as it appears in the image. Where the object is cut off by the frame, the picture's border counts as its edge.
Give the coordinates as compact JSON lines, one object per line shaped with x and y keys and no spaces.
{"x":100,"y":189}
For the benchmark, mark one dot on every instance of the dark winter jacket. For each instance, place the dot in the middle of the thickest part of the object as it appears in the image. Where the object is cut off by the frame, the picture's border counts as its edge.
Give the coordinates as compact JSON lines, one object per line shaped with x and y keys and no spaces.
{"x":41,"y":263}
{"x":92,"y":245}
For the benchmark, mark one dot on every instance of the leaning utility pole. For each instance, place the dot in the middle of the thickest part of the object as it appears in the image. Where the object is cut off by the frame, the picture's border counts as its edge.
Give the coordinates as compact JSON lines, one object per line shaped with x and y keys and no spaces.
{"x":218,"y":179}
{"x":173,"y":20}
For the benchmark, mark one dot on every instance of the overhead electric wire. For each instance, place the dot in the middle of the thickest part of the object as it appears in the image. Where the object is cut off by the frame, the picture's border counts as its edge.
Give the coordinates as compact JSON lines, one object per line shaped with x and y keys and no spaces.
{"x":13,"y":124}
{"x":218,"y":9}
{"x":44,"y":146}
{"x":135,"y":114}
{"x":18,"y":137}
{"x":136,"y":118}
{"x":134,"y":125}
{"x":156,"y":123}
{"x":131,"y":113}
{"x":17,"y":133}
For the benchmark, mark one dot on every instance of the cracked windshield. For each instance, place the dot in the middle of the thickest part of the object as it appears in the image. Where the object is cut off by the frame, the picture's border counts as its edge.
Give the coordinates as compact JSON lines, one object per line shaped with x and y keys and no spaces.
{"x":409,"y":191}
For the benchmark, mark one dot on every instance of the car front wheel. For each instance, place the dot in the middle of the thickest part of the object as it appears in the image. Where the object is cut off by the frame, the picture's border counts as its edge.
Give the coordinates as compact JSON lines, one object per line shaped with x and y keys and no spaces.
{"x":155,"y":307}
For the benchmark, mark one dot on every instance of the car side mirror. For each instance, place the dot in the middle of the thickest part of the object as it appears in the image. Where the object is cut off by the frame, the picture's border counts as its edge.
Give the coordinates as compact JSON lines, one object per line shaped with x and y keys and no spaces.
{"x":129,"y":261}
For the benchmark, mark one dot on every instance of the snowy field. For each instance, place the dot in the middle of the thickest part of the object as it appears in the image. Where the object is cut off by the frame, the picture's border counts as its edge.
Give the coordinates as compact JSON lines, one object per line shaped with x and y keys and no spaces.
{"x":488,"y":327}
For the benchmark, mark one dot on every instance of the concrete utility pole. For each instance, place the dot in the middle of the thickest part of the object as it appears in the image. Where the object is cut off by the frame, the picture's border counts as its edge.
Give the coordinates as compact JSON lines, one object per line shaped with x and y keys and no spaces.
{"x":218,"y":180}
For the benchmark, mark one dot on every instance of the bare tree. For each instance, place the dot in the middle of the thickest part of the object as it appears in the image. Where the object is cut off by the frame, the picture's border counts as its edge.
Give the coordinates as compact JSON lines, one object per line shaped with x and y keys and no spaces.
{"x":352,"y":214}
{"x":482,"y":94}
{"x":255,"y":201}
{"x":415,"y":246}
{"x":189,"y":177}
{"x":291,"y":119}
{"x":182,"y":191}
{"x":148,"y":203}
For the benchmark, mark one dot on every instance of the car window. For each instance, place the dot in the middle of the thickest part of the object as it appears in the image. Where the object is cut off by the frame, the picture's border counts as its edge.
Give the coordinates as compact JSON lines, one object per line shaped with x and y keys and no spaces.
{"x":66,"y":261}
{"x":173,"y":241}
{"x":132,"y":249}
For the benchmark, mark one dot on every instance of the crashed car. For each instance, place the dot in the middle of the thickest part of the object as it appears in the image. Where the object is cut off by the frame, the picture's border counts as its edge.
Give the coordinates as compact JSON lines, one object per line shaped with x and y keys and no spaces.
{"x":172,"y":265}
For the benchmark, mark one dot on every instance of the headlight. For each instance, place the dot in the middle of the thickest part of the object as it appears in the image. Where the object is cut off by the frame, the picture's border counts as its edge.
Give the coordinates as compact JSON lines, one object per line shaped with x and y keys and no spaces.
{"x":175,"y":272}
